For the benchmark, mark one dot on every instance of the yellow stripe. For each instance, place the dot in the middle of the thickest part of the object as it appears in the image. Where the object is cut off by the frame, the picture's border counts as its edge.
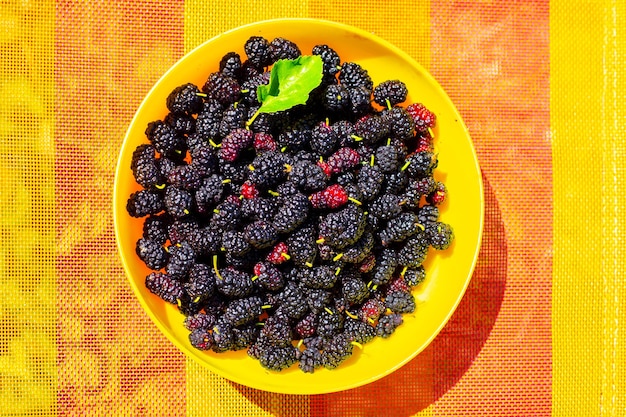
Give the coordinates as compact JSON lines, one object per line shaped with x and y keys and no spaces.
{"x":203,"y":19}
{"x":587,"y":113}
{"x":404,"y":23}
{"x":28,"y":374}
{"x":210,"y":394}
{"x":206,"y":391}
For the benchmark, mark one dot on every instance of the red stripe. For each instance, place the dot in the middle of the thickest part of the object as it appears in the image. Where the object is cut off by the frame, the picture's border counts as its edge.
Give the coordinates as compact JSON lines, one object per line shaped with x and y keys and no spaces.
{"x":494,"y":357}
{"x":110,"y":356}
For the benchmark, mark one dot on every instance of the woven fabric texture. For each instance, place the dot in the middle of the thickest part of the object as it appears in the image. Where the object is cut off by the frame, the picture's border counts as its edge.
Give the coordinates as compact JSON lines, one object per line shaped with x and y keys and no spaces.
{"x":541,"y":86}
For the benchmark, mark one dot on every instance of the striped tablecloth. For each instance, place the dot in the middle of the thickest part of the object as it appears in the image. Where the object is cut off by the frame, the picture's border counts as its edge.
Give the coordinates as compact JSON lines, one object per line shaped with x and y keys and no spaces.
{"x":541,"y":86}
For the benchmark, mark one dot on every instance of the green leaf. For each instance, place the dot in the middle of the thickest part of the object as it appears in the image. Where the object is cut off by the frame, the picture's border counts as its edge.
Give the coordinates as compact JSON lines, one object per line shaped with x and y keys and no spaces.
{"x":291,"y":81}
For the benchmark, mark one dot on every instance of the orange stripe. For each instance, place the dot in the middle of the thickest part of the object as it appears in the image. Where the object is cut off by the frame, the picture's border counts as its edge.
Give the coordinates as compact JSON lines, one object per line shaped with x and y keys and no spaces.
{"x":111,"y":358}
{"x":494,"y":357}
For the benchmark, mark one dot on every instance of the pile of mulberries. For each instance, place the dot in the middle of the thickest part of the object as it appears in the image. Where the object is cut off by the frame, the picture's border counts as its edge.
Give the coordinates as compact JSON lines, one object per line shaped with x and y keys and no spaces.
{"x":296,"y":235}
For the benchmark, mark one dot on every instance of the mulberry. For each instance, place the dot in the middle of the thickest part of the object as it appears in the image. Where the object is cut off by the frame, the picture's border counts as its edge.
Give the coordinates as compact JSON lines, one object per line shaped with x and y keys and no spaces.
{"x":369,"y":180}
{"x":422,"y":117}
{"x":236,"y":142}
{"x":234,"y":283}
{"x":400,"y":302}
{"x":323,"y":139}
{"x":152,"y":253}
{"x":178,"y":202}
{"x":155,"y":228}
{"x":358,"y":331}
{"x":414,"y":251}
{"x":353,"y":75}
{"x":292,"y":213}
{"x":331,"y":198}
{"x":388,"y":324}
{"x":243,"y":310}
{"x":278,"y":358}
{"x":201,"y":284}
{"x":181,"y":259}
{"x":386,"y":206}
{"x":230,"y":65}
{"x":281,"y":48}
{"x":330,"y":323}
{"x":307,"y":326}
{"x":385,"y":266}
{"x":143,"y":203}
{"x":421,"y":164}
{"x":440,"y":235}
{"x":319,"y":277}
{"x":201,"y":338}
{"x":222,"y":88}
{"x":164,"y":286}
{"x":358,"y":251}
{"x":235,"y":243}
{"x":336,"y":98}
{"x":354,"y":290}
{"x":269,"y":276}
{"x":200,"y":321}
{"x":184,"y":99}
{"x":390,"y":93}
{"x":387,"y":158}
{"x":337,"y":351}
{"x":257,"y":49}
{"x":310,"y":360}
{"x":400,"y":228}
{"x":164,"y":138}
{"x":185,"y":177}
{"x":144,"y":166}
{"x":414,"y":276}
{"x":371,"y":129}
{"x":277,"y":330}
{"x":330,"y":59}
{"x":343,"y":159}
{"x":303,"y":249}
{"x":401,"y":125}
{"x":343,"y":228}
{"x":260,"y":234}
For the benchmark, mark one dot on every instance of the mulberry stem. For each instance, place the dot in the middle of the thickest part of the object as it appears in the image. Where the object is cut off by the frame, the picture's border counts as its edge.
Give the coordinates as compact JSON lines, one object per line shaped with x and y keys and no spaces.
{"x":217,"y":272}
{"x":357,"y":344}
{"x":254,"y":116}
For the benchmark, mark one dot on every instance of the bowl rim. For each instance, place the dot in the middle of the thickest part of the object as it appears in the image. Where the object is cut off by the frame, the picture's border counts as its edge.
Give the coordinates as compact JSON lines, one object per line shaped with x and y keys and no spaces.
{"x":260,"y":24}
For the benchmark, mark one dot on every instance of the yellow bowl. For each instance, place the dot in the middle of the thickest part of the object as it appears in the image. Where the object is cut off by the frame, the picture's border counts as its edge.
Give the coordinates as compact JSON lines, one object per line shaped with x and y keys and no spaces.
{"x":448,"y":272}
